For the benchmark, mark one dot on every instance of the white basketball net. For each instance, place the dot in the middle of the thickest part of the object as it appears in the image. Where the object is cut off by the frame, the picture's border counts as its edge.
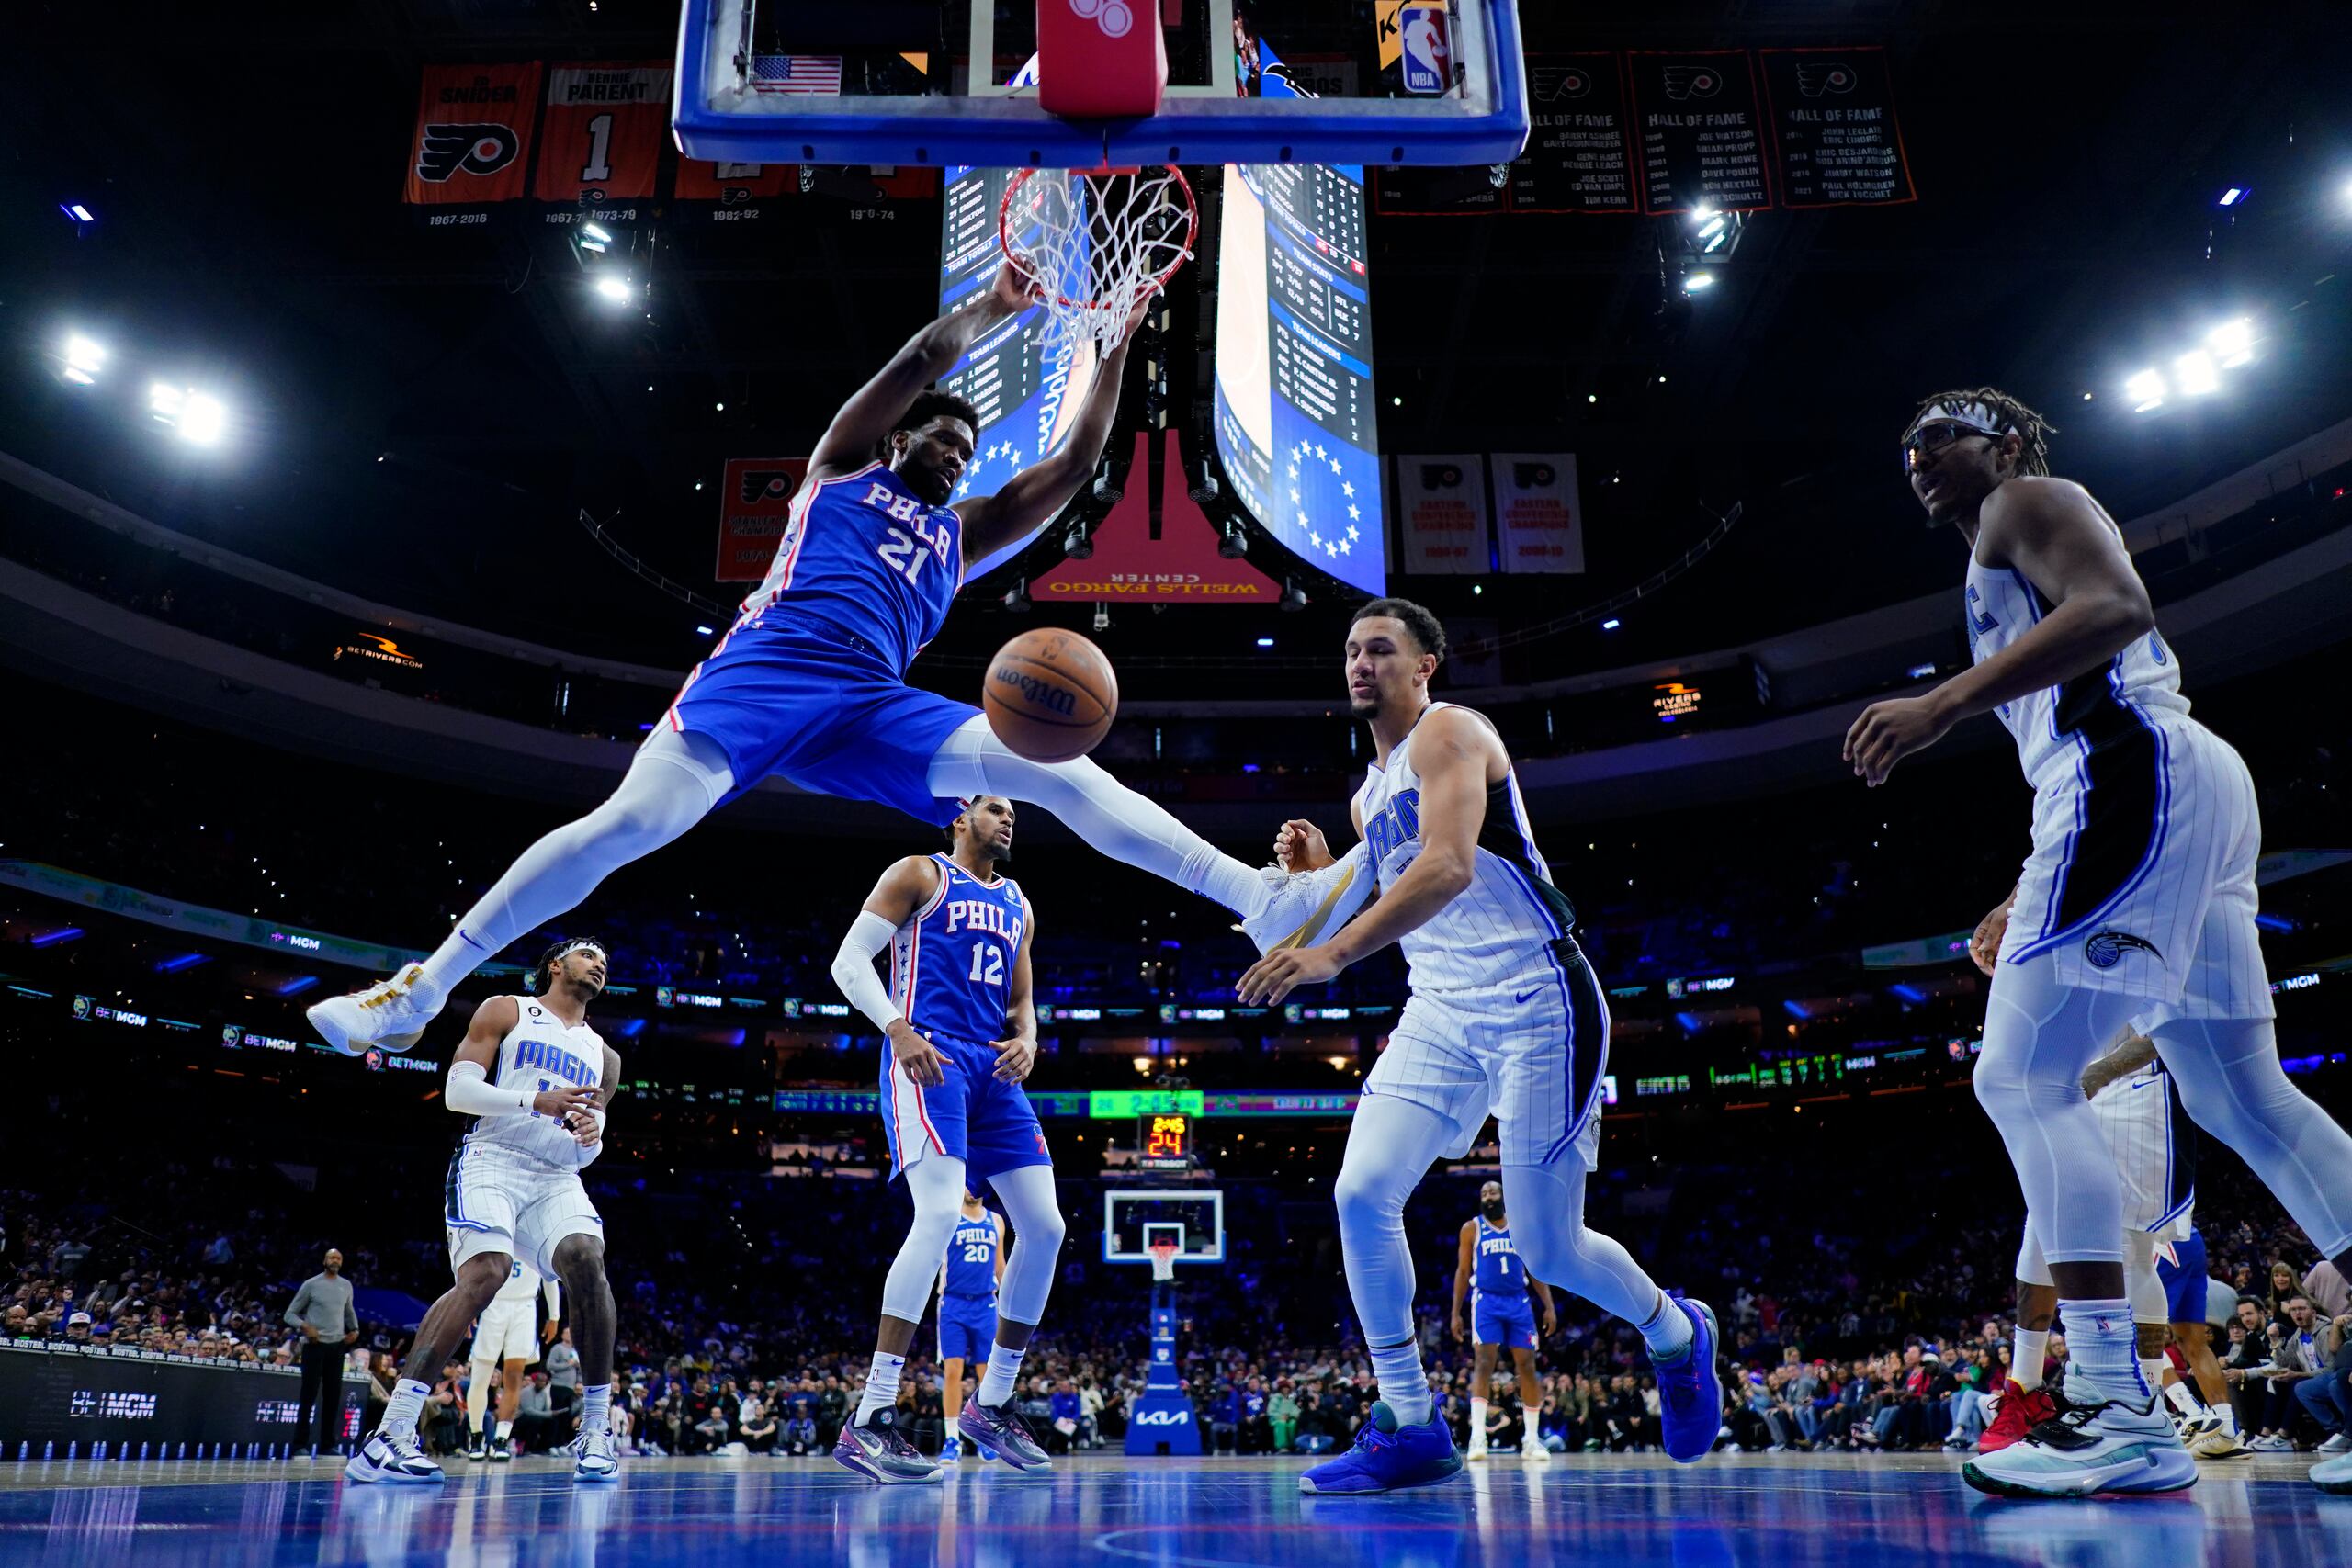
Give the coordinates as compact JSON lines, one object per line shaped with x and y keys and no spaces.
{"x":1094,"y":244}
{"x":1163,"y":1259}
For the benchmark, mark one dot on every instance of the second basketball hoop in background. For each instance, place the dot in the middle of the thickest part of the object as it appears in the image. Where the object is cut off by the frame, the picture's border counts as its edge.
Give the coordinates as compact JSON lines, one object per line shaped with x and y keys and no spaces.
{"x":1050,"y":695}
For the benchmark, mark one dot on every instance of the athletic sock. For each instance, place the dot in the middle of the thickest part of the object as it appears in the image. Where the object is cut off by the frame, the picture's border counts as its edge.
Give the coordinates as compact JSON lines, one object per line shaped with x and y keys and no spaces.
{"x":2028,"y":1354}
{"x":1478,"y":1423}
{"x":955,"y":1428}
{"x":881,"y":1386}
{"x":459,"y":955}
{"x":1215,"y":874}
{"x":402,"y":1409}
{"x":1668,"y":1332}
{"x":996,"y":1383}
{"x":496,"y":1428}
{"x":596,"y":1408}
{"x":1403,"y":1383}
{"x":2152,"y":1372}
{"x":2102,"y":1352}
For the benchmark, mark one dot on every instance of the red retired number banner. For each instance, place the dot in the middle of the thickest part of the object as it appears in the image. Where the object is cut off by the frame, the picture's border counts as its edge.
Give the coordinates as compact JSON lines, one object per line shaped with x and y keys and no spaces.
{"x":754,"y":503}
{"x":473,"y":131}
{"x":603,"y":133}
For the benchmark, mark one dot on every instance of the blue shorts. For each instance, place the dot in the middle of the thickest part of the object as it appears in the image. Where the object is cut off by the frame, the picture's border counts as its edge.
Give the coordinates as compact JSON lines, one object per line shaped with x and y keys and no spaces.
{"x":799,"y":698}
{"x":1508,"y":1321}
{"x":974,"y":1116}
{"x":966,"y":1327}
{"x":2185,"y":1278}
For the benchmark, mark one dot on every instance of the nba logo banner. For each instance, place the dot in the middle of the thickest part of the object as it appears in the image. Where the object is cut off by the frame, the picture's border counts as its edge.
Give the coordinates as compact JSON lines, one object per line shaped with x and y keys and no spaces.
{"x":473,"y":128}
{"x":1539,"y":520}
{"x":754,"y":504}
{"x":1428,"y":51}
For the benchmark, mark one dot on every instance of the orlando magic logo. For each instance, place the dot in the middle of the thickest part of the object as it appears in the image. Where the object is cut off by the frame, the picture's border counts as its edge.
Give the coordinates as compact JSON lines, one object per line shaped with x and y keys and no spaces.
{"x":2105,"y":949}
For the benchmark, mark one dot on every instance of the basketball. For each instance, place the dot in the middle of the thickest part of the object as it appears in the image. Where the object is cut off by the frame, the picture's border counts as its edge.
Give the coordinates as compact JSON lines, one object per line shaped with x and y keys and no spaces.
{"x":1050,"y":695}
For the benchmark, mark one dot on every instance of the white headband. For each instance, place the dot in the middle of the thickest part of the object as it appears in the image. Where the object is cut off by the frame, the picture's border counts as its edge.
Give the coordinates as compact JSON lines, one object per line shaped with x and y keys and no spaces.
{"x":581,"y":947}
{"x":1976,"y":416}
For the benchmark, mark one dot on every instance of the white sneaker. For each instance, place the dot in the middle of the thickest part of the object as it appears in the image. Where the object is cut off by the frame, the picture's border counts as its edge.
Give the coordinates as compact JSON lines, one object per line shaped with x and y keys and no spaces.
{"x":2271,"y":1443}
{"x":389,"y":1015}
{"x":2333,"y":1475}
{"x":1535,"y":1452}
{"x":1307,"y":907}
{"x":2218,"y":1444}
{"x":400,"y":1460}
{"x":2109,"y":1447}
{"x":597,"y":1461}
{"x":1474,"y":1452}
{"x":2338,"y":1444}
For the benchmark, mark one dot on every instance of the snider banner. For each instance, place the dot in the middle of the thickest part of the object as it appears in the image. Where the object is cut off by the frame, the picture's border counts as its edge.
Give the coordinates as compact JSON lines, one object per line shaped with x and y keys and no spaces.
{"x":473,"y":139}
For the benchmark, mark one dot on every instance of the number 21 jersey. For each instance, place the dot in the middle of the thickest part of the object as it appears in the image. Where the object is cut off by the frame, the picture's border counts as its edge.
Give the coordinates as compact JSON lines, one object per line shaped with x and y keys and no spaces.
{"x":866,"y":553}
{"x":951,"y":964}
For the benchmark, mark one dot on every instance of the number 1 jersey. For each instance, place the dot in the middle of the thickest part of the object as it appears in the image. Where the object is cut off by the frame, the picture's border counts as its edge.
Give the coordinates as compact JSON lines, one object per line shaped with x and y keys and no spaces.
{"x":951,"y":964}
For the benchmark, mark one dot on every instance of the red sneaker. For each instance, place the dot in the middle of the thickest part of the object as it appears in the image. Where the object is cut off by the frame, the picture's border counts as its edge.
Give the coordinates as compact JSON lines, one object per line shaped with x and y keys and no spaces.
{"x":2020,"y":1412}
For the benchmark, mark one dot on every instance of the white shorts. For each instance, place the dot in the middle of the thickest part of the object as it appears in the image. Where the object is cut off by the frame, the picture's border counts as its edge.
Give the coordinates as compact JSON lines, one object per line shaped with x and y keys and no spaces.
{"x":508,"y":1331}
{"x":2154,"y":1145}
{"x":499,"y":1203}
{"x":2142,"y":876}
{"x":1529,"y":1052}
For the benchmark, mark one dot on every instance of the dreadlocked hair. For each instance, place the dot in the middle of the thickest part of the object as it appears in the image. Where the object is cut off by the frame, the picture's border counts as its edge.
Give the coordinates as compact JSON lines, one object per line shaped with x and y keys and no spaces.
{"x":2033,"y":456}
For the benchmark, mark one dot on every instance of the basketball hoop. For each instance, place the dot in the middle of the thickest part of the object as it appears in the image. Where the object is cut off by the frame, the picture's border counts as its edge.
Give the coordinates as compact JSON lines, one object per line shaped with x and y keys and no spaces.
{"x":1163,"y":1261}
{"x":1094,"y":243}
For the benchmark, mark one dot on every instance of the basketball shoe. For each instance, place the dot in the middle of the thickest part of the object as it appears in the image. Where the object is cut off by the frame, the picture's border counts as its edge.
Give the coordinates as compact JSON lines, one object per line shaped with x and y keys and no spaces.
{"x":1533,"y":1451}
{"x":1387,"y":1458}
{"x":2018,"y":1412}
{"x":2112,"y":1446}
{"x":998,"y":1431}
{"x":597,"y":1461}
{"x":879,"y":1452}
{"x":501,"y":1448}
{"x":400,"y":1460}
{"x":1691,"y":1388}
{"x":389,"y":1015}
{"x":2333,"y":1475}
{"x":1301,"y":906}
{"x":477,"y":1446}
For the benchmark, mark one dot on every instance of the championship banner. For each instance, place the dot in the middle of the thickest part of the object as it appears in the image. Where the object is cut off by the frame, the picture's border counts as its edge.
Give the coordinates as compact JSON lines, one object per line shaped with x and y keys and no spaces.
{"x":1702,"y":133}
{"x":1441,"y":513}
{"x":473,"y":129}
{"x":1834,"y":131}
{"x":755,"y":503}
{"x":1170,"y":559}
{"x":1539,"y":520}
{"x":603,"y":140}
{"x":734,"y":193}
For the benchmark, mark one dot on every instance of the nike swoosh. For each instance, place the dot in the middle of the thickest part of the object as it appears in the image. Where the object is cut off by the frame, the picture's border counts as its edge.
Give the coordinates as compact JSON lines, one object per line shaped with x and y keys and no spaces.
{"x":1523,"y":996}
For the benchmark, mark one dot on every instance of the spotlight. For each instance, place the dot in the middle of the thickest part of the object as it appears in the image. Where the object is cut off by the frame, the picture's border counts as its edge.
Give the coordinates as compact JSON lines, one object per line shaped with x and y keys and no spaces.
{"x":1108,"y":491}
{"x":1612,"y":624}
{"x":2232,"y":341}
{"x":595,"y":232}
{"x":1016,"y":599}
{"x":76,"y":211}
{"x":2147,"y":390}
{"x":2233,"y":195}
{"x":84,"y":358}
{"x":1697,"y":281}
{"x":204,"y":420}
{"x":1265,"y":642}
{"x":614,"y":288}
{"x":2194,"y":373}
{"x":1232,"y":542}
{"x":1076,"y":545}
{"x":1102,"y":617}
{"x":1294,"y":597}
{"x":702,"y":631}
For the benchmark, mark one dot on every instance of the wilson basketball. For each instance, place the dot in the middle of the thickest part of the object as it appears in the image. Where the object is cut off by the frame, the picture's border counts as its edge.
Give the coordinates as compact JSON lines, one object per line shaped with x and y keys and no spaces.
{"x":1050,"y":695}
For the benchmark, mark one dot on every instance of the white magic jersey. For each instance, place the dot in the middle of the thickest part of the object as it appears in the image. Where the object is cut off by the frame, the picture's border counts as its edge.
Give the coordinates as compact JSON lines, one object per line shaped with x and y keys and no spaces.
{"x":1496,"y":928}
{"x":541,"y":1052}
{"x":2056,"y":725}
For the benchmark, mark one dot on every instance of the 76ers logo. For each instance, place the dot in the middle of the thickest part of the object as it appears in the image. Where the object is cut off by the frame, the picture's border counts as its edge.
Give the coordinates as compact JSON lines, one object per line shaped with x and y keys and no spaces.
{"x":449,"y":149}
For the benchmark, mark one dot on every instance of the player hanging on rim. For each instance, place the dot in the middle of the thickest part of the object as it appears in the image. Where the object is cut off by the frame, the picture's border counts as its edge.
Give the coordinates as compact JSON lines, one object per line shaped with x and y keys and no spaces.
{"x":1499,"y":1316}
{"x":809,"y":682}
{"x":962,"y":1036}
{"x":2138,"y":899}
{"x":1505,"y":1017}
{"x":968,"y":1281}
{"x":536,"y":1081}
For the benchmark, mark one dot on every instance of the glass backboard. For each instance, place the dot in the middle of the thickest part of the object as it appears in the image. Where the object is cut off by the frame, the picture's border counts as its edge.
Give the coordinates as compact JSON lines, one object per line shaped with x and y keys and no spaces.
{"x":1133,"y":1218}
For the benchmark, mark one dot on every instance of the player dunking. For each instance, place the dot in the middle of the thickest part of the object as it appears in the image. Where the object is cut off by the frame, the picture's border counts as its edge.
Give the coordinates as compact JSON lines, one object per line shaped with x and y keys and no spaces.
{"x":536,"y":1081}
{"x":967,"y":1287}
{"x":963,"y":1035}
{"x":1504,"y":1017}
{"x":809,"y":682}
{"x":1499,"y":1316}
{"x":2138,"y":899}
{"x":506,"y":1340}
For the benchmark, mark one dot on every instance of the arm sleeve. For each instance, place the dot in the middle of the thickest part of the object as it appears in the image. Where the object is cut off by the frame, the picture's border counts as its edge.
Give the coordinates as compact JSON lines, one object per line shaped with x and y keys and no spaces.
{"x":555,"y":1298}
{"x":470,"y":1093}
{"x":853,"y":968}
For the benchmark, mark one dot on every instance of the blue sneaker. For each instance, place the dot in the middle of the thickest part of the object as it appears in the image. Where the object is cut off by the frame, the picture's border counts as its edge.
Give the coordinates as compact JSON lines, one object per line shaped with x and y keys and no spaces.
{"x":1387,"y":1458}
{"x":1691,"y":1387}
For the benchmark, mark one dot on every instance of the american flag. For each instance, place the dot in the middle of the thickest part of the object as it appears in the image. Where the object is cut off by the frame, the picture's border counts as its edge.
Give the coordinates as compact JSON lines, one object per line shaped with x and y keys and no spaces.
{"x":817,"y":75}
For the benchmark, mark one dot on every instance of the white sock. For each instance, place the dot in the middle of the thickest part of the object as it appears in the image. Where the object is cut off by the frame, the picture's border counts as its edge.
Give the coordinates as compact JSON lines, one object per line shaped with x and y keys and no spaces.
{"x":955,"y":1428}
{"x":2229,"y":1416}
{"x":2029,"y":1353}
{"x":402,"y":1409}
{"x":596,"y":1408}
{"x":2102,"y":1352}
{"x":1478,"y":1423}
{"x":494,"y":1428}
{"x":1668,"y":1332}
{"x":1403,"y":1383}
{"x":1004,"y":1366}
{"x":881,"y":1386}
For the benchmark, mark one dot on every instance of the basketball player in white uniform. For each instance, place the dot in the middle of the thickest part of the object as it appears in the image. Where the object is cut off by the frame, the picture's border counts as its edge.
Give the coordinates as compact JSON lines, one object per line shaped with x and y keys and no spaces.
{"x":536,"y":1081}
{"x":2138,"y":899}
{"x":1506,"y":1019}
{"x":506,"y":1340}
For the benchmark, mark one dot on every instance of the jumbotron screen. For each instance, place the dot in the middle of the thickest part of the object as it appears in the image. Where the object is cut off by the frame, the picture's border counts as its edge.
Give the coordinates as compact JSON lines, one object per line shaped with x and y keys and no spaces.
{"x":1296,"y":424}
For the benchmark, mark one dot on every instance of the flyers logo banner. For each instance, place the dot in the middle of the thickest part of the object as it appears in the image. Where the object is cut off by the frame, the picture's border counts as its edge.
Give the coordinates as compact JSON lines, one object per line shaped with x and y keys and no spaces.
{"x":473,"y":127}
{"x":754,"y":504}
{"x":603,"y":140}
{"x":1693,"y":82}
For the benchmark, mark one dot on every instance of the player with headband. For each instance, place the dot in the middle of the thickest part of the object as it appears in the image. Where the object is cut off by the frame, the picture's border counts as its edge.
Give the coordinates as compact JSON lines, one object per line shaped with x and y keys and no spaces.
{"x":535,"y":1081}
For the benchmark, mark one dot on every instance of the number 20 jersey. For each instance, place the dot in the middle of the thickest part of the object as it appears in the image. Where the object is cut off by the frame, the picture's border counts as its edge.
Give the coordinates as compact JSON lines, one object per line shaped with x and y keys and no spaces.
{"x":951,"y":964}
{"x":865,"y":553}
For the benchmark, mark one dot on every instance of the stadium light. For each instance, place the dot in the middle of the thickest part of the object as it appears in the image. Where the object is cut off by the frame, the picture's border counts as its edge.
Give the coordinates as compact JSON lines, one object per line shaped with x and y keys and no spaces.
{"x":2233,"y":195}
{"x":197,"y":416}
{"x":1265,"y":642}
{"x":2147,"y":390}
{"x":1612,"y":624}
{"x":76,"y":211}
{"x":612,"y":287}
{"x":1697,"y":281}
{"x":595,"y":232}
{"x":2232,"y":342}
{"x":2196,"y":374}
{"x":84,"y":357}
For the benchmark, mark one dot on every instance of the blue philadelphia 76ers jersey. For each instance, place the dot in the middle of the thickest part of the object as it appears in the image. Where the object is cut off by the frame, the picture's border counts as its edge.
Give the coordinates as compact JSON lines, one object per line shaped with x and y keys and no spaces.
{"x":971,"y":1258}
{"x":951,"y":964}
{"x":867,"y":554}
{"x":1499,"y":1269}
